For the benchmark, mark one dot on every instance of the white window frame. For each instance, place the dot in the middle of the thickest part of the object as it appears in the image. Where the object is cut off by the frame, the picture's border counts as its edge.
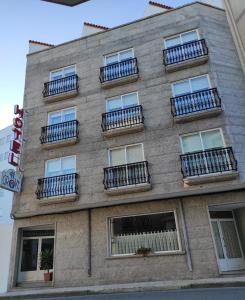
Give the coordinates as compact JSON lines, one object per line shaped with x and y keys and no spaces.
{"x":60,"y":158}
{"x":60,"y":111}
{"x":199,"y":133}
{"x":180,"y":36}
{"x":110,"y":232}
{"x":118,"y":53}
{"x":189,"y":82}
{"x":125,"y":152}
{"x":116,"y":97}
{"x":62,"y":69}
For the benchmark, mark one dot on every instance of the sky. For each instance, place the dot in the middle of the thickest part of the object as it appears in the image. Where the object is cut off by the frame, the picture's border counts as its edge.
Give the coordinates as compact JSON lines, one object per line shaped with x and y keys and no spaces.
{"x":24,"y":20}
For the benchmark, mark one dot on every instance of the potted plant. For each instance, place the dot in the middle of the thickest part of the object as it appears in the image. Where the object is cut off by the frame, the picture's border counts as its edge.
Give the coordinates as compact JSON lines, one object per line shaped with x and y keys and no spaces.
{"x":46,"y":263}
{"x":143,"y":251}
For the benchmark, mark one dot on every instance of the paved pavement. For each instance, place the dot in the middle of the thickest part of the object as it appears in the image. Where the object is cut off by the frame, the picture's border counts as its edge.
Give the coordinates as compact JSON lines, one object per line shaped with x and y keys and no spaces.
{"x":192,"y":294}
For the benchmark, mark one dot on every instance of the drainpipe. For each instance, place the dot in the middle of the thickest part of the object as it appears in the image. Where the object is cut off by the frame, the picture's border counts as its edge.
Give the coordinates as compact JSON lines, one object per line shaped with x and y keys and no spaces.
{"x":185,"y":234}
{"x":89,"y":244}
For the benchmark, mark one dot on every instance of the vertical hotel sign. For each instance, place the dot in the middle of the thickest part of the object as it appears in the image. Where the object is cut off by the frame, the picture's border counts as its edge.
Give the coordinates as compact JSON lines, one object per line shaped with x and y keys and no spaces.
{"x":11,"y":179}
{"x":16,"y":143}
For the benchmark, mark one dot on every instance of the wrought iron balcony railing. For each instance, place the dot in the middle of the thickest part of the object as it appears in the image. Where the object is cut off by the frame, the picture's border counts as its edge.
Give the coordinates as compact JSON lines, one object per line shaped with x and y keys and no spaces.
{"x":59,"y":132}
{"x":184,"y":52}
{"x":125,"y":175}
{"x":218,"y":160}
{"x":122,"y":118}
{"x":195,"y":102}
{"x":119,"y":70}
{"x":60,"y":86}
{"x":57,"y":186}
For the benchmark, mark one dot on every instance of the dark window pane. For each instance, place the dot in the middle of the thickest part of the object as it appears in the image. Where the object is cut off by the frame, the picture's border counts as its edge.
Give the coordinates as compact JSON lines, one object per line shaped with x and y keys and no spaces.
{"x":221,"y":215}
{"x":48,"y":244}
{"x":145,"y":223}
{"x":35,"y":233}
{"x":29,"y":255}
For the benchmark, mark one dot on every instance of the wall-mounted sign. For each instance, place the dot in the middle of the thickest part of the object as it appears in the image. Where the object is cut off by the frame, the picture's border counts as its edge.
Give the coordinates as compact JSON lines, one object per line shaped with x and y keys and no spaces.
{"x":11,"y":180}
{"x":15,"y":146}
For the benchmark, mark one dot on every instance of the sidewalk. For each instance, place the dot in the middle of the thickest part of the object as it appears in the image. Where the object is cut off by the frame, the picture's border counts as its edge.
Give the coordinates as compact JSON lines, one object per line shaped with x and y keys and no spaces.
{"x":20,"y":293}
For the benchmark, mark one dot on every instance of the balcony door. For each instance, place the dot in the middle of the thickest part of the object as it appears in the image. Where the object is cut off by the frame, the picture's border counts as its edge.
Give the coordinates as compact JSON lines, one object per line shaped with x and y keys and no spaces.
{"x":61,"y":131}
{"x":56,"y":168}
{"x":227,"y":242}
{"x":124,"y":157}
{"x":188,"y":87}
{"x":203,"y":141}
{"x":33,"y":242}
{"x":56,"y":76}
{"x":118,"y":69}
{"x":116,"y":105}
{"x":179,"y":40}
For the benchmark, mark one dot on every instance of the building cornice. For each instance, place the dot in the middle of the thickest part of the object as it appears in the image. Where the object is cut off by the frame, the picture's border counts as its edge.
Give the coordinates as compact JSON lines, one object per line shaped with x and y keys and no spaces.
{"x":119,"y":202}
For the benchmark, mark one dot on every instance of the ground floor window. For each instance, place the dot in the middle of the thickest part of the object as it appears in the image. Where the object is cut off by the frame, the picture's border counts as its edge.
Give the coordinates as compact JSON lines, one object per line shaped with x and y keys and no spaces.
{"x":157,"y":232}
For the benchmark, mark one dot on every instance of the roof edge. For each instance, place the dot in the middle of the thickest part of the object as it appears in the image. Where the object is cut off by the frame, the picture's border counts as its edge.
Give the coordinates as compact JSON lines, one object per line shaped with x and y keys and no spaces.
{"x":41,"y":43}
{"x":133,"y":22}
{"x":96,"y":26}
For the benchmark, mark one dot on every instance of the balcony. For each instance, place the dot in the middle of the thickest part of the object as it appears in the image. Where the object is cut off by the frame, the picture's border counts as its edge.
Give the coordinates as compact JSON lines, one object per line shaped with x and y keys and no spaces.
{"x":208,"y":166}
{"x":196,"y":105}
{"x":185,"y":56}
{"x":60,"y":89}
{"x":123,"y":121}
{"x":127,"y":178}
{"x":57,"y":189}
{"x":61,"y":134}
{"x":119,"y":73}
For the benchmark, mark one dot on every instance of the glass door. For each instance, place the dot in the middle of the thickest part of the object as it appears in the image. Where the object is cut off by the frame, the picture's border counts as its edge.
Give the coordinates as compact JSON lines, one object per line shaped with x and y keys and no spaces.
{"x":31,"y":248}
{"x":228,"y":246}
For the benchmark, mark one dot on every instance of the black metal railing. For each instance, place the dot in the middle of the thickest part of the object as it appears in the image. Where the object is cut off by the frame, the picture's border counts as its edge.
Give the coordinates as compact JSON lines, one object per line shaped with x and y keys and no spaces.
{"x":122,"y":118}
{"x":118,"y":70}
{"x":129,"y":174}
{"x":57,"y":186}
{"x":59,"y":86}
{"x":218,"y":160}
{"x":195,"y":102}
{"x":184,"y":52}
{"x":59,"y":132}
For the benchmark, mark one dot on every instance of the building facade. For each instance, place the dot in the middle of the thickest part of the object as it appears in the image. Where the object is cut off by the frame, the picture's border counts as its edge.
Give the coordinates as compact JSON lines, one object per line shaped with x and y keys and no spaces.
{"x":6,"y":223}
{"x":134,"y":163}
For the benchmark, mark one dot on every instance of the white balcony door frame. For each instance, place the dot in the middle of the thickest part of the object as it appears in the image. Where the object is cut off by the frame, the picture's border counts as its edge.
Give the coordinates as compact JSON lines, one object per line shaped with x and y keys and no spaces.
{"x":227,"y":264}
{"x":62,"y":72}
{"x":125,"y":156}
{"x":118,"y":56}
{"x":60,"y":162}
{"x":202,"y":144}
{"x":122,"y":102}
{"x":62,"y":114}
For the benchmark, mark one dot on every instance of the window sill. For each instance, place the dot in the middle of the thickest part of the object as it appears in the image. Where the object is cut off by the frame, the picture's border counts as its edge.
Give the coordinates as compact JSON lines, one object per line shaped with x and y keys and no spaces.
{"x":60,"y":143}
{"x":123,"y":130}
{"x":61,"y":96}
{"x":198,"y":115}
{"x":142,"y":187}
{"x":119,"y":81}
{"x":149,"y":255}
{"x":215,"y":177}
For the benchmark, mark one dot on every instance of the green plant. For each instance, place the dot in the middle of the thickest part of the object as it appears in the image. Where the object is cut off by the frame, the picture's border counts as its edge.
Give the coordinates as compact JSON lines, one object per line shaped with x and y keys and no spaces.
{"x":46,"y":260}
{"x":143,"y":251}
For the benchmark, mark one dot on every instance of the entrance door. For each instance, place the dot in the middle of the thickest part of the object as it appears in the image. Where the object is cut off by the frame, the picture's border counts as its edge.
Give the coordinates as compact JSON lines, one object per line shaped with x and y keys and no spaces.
{"x":228,"y":246}
{"x":31,"y":248}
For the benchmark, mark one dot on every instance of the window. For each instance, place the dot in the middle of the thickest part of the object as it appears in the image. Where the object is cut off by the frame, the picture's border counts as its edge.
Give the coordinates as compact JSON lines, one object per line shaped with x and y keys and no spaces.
{"x":191,"y":85}
{"x":202,"y":141}
{"x":121,"y":102}
{"x":119,"y":57}
{"x":62,"y":73}
{"x":60,"y":166}
{"x":126,"y":155}
{"x":62,"y":116}
{"x":155,"y":231}
{"x":181,"y":39}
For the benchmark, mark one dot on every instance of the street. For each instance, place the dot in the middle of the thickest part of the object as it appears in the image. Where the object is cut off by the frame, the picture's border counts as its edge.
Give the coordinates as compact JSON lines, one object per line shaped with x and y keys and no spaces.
{"x":192,"y":294}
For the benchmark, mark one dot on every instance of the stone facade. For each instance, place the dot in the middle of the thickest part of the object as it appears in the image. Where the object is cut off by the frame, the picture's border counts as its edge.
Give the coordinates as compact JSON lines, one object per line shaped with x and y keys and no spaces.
{"x":160,"y":139}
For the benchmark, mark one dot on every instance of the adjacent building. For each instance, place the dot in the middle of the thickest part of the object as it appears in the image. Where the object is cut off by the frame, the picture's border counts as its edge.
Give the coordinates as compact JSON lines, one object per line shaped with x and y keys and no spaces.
{"x":134,"y":162}
{"x":6,"y":223}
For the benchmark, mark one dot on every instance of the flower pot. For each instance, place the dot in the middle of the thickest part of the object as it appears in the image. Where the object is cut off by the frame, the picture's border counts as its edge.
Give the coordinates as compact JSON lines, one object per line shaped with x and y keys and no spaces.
{"x":47,"y":277}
